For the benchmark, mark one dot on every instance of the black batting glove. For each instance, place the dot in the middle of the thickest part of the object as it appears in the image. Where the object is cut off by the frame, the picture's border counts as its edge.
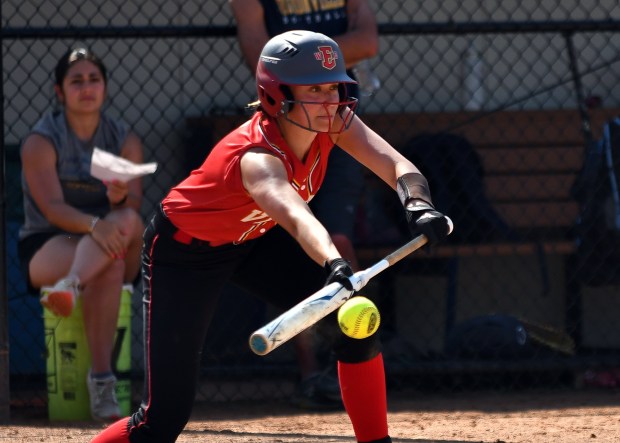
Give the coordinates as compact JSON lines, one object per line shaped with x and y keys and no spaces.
{"x":339,"y":270}
{"x":422,"y":218}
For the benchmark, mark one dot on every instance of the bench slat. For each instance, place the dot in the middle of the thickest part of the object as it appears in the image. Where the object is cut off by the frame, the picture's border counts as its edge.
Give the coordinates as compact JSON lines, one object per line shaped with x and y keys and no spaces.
{"x":557,"y":127}
{"x":368,"y":255}
{"x":529,"y":187}
{"x":532,"y":159}
{"x":539,"y":215}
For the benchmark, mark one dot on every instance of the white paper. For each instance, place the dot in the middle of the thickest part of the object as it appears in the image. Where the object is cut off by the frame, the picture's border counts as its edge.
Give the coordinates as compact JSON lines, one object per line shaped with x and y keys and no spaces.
{"x":108,"y":167}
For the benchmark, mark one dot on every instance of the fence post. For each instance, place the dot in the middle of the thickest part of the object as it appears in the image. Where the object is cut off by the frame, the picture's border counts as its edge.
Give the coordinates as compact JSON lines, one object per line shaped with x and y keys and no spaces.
{"x":4,"y":308}
{"x":581,"y":104}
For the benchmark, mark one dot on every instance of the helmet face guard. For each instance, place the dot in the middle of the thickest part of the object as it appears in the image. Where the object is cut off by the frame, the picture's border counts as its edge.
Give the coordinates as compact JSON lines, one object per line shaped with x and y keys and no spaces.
{"x":302,"y":58}
{"x":341,"y":120}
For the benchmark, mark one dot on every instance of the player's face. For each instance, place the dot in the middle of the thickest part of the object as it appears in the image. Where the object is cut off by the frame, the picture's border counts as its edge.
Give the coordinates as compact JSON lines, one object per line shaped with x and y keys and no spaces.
{"x":83,"y":88}
{"x":316,"y":106}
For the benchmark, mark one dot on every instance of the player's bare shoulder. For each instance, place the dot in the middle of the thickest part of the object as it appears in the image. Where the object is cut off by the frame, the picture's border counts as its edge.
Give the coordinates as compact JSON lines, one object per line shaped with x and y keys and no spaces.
{"x":259,"y":165}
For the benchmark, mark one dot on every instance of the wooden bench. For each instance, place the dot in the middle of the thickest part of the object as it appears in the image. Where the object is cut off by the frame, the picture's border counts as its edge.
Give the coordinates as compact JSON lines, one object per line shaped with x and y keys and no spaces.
{"x":530,"y":160}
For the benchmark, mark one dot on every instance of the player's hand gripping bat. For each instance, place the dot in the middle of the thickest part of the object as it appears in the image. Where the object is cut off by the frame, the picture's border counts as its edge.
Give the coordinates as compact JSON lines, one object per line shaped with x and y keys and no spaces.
{"x":325,"y":301}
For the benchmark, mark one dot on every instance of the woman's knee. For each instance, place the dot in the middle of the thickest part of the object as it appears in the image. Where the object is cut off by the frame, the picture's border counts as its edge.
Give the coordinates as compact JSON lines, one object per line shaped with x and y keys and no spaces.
{"x":347,"y":349}
{"x":352,"y":350}
{"x":129,"y":218}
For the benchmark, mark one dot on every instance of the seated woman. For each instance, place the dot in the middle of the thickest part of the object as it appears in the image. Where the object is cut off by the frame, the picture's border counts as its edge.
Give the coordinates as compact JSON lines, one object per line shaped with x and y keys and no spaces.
{"x":80,"y":235}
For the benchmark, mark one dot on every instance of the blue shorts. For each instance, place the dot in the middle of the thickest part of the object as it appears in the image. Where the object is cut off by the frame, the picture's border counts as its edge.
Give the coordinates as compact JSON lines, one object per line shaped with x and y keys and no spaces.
{"x":336,"y":203}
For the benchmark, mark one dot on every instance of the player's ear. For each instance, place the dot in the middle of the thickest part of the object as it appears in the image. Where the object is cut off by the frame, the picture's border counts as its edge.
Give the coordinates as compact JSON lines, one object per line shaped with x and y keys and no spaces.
{"x":288,"y":95}
{"x":343,"y":91}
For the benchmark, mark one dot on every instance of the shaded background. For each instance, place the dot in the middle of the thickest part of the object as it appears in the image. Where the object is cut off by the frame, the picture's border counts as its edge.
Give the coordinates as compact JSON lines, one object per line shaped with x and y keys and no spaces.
{"x":175,"y":68}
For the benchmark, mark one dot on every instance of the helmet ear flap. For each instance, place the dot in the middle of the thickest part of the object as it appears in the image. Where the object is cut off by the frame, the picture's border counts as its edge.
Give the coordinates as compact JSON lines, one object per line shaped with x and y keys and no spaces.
{"x":270,"y":104}
{"x":263,"y":95}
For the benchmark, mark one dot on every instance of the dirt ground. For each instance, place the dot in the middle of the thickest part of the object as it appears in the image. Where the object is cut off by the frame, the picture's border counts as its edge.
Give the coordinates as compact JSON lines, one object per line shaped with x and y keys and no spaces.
{"x":565,"y":416}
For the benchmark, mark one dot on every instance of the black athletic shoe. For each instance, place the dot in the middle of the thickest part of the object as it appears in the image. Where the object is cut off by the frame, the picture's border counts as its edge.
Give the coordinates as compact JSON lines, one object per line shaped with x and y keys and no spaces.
{"x":318,"y":392}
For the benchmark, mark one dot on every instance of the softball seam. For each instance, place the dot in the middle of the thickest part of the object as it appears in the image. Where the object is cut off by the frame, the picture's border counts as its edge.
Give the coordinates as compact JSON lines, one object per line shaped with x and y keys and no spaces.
{"x":359,"y":318}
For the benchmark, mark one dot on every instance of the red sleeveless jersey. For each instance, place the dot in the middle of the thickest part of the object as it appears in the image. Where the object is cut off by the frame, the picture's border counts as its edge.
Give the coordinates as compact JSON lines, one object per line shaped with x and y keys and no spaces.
{"x":212,"y":204}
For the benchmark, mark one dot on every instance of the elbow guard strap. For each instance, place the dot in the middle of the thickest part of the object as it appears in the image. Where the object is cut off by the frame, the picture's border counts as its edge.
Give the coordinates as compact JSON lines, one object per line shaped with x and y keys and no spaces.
{"x":413,"y":186}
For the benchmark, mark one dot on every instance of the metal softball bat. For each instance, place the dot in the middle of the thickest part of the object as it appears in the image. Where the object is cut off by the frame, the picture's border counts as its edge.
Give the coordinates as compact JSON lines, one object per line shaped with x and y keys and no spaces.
{"x":325,"y":301}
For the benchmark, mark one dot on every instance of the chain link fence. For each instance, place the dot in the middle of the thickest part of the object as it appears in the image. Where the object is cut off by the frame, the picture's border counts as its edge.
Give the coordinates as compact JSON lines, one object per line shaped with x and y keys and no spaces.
{"x":525,"y":85}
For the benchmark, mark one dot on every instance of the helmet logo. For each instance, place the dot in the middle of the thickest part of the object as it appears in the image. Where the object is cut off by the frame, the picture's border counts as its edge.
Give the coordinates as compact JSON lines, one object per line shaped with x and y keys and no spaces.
{"x":327,"y":55}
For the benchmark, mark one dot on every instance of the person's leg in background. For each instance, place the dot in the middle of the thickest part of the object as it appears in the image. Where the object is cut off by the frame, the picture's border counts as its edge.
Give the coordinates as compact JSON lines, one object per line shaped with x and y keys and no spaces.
{"x":101,"y":279}
{"x":318,"y":387}
{"x":52,"y":263}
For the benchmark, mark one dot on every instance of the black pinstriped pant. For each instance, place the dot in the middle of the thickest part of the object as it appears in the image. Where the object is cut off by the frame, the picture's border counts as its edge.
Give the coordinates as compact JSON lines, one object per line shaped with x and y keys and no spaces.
{"x":181,"y":287}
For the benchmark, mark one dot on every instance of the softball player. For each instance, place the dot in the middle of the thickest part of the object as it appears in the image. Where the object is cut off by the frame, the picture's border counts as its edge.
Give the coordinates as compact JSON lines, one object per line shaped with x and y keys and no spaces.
{"x":243,"y":216}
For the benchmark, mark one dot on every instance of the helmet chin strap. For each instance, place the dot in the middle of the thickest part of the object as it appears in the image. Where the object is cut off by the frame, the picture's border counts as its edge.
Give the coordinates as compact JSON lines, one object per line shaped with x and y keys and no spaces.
{"x":343,"y":117}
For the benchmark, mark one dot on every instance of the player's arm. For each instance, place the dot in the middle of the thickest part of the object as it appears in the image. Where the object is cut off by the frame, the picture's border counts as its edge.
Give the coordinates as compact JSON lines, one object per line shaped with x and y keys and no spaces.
{"x":251,"y":31}
{"x":265,"y":179}
{"x":374,"y":152}
{"x":39,"y":167}
{"x":361,"y":41}
{"x":391,"y":166}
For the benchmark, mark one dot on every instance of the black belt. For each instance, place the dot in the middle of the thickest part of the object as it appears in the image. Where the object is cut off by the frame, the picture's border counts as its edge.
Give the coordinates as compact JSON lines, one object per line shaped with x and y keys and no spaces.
{"x":164,"y":224}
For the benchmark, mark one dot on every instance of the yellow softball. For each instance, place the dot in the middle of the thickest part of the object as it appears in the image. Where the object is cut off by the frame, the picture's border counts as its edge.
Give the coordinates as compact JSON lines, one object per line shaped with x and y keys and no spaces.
{"x":359,"y":317}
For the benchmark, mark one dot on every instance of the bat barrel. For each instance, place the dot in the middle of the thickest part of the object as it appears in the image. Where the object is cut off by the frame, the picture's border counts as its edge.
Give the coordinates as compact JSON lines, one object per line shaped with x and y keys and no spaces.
{"x":299,"y":317}
{"x":259,"y":344}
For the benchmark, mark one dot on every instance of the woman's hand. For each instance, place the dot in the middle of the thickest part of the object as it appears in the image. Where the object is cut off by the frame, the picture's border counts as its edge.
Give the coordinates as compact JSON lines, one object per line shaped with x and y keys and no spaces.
{"x":117,"y":192}
{"x":110,"y":237}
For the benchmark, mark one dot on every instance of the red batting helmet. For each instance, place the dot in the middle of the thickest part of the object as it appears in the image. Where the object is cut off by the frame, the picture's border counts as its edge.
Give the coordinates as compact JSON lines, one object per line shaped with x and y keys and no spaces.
{"x":298,"y":58}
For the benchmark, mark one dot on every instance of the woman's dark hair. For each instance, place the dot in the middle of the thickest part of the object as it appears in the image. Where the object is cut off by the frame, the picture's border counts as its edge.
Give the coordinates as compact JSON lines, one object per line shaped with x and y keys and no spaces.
{"x":73,"y":56}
